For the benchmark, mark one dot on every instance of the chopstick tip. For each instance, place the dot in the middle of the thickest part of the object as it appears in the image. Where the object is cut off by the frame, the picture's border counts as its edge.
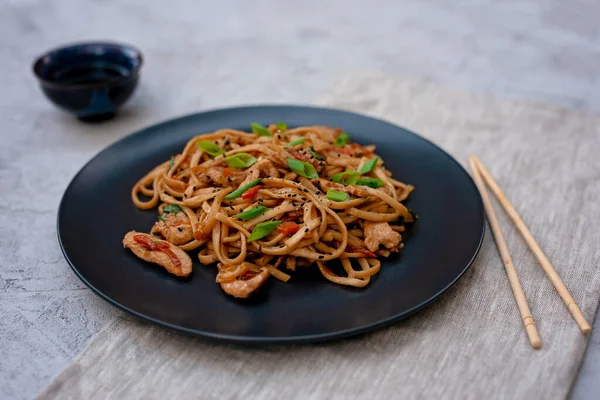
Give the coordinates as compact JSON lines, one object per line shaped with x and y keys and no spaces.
{"x":473,"y":162}
{"x":532,"y":333}
{"x":473,"y":159}
{"x":586,"y":330}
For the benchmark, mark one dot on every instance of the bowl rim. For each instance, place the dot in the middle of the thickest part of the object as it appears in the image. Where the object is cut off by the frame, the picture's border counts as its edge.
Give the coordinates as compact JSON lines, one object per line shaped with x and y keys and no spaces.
{"x":106,"y":83}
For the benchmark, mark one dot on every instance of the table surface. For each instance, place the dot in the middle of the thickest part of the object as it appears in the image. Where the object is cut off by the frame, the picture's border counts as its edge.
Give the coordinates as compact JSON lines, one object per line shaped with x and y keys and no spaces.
{"x":201,"y":56}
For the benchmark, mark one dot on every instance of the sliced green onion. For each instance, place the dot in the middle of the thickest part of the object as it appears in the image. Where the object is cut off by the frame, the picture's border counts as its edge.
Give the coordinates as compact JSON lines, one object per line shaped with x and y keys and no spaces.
{"x":302,"y":168}
{"x":370,"y":182}
{"x":346,"y":177}
{"x":171,"y":164}
{"x":368,"y":166}
{"x":260,"y":130}
{"x":342,"y":139}
{"x":315,"y":154}
{"x":252,"y":213}
{"x":263,"y":229}
{"x":336,"y":195}
{"x":281,"y":126}
{"x":240,"y":191}
{"x":170,"y":209}
{"x":240,"y":160}
{"x":210,"y":148}
{"x":297,"y":141}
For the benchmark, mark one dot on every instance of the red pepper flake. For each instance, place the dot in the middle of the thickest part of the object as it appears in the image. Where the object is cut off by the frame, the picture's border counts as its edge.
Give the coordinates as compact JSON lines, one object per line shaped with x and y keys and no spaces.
{"x":158,"y":245}
{"x":288,"y":228}
{"x":250,"y":193}
{"x":228,"y":171}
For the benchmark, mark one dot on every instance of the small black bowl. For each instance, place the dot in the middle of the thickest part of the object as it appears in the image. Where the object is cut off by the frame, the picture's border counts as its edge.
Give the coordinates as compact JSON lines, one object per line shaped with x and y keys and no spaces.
{"x":91,"y":80}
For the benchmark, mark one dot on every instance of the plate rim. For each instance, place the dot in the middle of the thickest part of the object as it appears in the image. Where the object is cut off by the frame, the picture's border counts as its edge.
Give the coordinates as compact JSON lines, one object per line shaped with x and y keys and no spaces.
{"x":261,"y":340}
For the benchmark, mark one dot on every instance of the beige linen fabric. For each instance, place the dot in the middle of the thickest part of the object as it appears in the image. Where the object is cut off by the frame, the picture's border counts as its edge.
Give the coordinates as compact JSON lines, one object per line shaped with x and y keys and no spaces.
{"x":468,"y":345}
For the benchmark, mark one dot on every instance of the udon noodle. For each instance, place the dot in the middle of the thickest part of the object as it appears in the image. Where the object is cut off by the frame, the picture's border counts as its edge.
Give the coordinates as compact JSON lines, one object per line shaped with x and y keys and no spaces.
{"x":262,"y":204}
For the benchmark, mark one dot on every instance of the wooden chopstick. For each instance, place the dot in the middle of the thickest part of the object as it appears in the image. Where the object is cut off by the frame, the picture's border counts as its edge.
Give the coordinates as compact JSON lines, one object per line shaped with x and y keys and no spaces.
{"x":532,"y":332}
{"x":535,"y":247}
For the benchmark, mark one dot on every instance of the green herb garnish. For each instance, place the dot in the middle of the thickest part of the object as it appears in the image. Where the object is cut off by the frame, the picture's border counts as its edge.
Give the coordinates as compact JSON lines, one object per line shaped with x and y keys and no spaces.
{"x":342,"y":139}
{"x":302,"y":168}
{"x":346,"y":178}
{"x":370,"y":182}
{"x":170,"y":209}
{"x":260,"y":130}
{"x":315,"y":154}
{"x":252,"y":213}
{"x":336,"y":195}
{"x":297,"y":141}
{"x":368,"y":166}
{"x":171,"y":164}
{"x":210,"y":147}
{"x":281,"y":126}
{"x":240,"y":191}
{"x":240,"y":160}
{"x":263,"y":229}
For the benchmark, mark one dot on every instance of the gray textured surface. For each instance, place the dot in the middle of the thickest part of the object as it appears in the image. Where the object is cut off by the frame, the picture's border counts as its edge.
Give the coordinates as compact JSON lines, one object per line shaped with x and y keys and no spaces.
{"x":468,"y":345}
{"x":220,"y":53}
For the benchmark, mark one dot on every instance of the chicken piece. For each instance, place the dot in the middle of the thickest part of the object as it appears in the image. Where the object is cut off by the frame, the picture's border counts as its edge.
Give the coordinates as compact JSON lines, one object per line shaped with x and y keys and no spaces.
{"x":277,"y":156}
{"x":175,"y":228}
{"x":353,"y":190}
{"x":262,"y":168}
{"x":306,"y":156}
{"x":329,"y":134}
{"x":318,"y":143}
{"x":161,"y":252}
{"x":222,"y":176}
{"x":244,"y":285}
{"x":381,"y":233}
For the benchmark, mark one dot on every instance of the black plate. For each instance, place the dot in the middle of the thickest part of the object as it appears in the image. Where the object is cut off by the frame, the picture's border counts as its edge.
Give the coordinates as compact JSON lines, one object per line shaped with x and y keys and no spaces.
{"x":96,"y":211}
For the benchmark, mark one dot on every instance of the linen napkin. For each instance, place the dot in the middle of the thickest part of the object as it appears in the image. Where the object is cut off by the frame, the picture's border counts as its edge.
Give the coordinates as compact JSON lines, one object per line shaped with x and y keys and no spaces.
{"x":471,"y":343}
